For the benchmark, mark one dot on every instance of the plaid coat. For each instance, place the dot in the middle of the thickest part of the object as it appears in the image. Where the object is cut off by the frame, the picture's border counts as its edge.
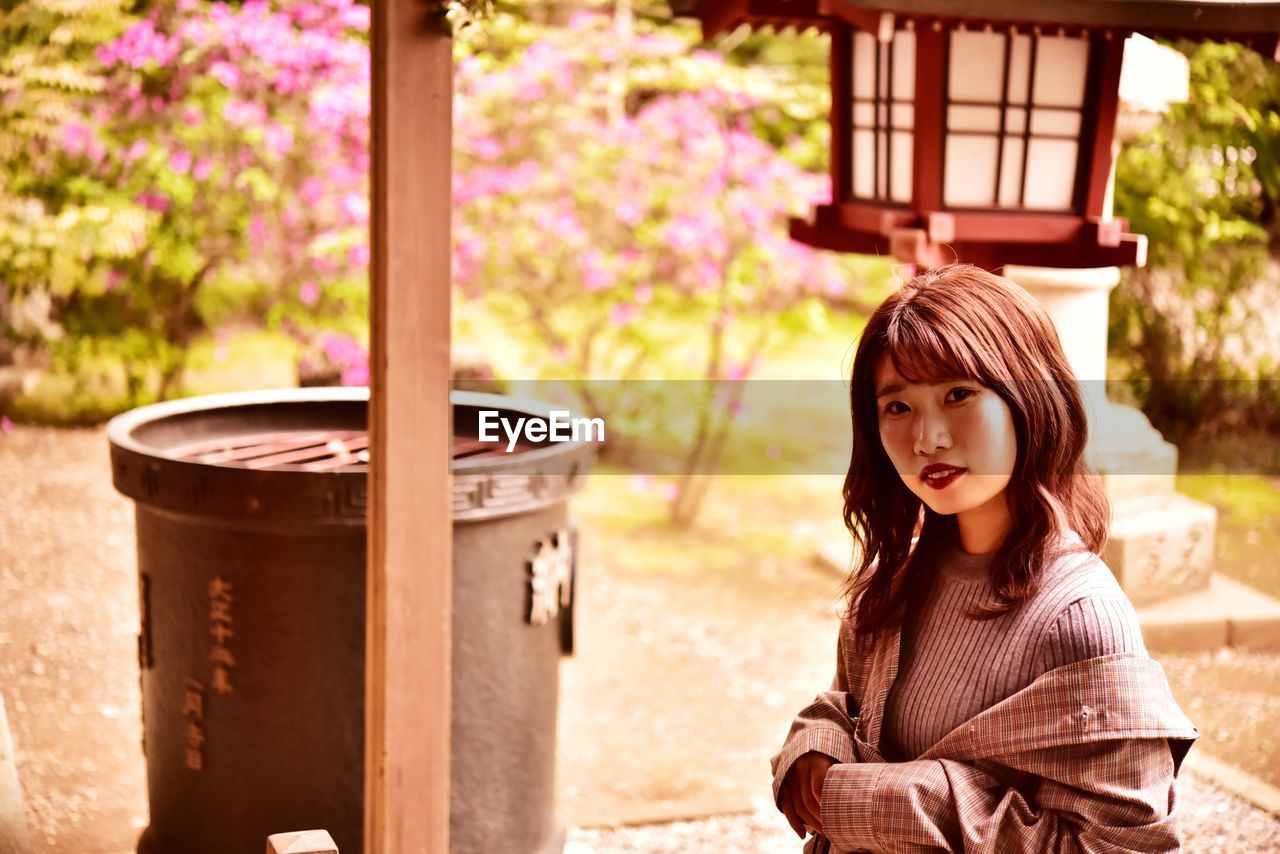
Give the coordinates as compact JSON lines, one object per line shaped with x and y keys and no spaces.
{"x":1081,"y":760}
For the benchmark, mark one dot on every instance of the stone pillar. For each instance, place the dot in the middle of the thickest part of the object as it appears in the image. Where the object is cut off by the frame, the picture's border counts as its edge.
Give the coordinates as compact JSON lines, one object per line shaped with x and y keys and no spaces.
{"x":1161,"y":541}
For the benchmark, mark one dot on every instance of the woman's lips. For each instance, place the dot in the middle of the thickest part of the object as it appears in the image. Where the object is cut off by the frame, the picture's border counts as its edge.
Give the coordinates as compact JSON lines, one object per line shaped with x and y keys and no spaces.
{"x":944,"y":480}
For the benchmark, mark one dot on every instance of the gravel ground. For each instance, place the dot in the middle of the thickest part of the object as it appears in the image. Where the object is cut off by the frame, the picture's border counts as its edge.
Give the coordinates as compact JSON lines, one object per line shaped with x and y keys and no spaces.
{"x":1213,"y":821}
{"x":682,"y":686}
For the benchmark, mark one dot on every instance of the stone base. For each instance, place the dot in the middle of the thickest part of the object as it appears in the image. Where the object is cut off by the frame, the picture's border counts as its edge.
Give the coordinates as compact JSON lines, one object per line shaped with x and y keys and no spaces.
{"x":1161,"y":542}
{"x":1161,"y":550}
{"x":1226,"y":613}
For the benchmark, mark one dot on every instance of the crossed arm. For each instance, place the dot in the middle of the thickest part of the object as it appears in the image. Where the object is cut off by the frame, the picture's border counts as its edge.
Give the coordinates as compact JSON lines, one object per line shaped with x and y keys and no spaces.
{"x":1109,"y":795}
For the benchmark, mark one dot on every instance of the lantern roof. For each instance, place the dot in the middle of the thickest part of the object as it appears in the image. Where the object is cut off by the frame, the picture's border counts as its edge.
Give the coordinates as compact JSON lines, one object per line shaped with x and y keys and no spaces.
{"x":1256,"y":21}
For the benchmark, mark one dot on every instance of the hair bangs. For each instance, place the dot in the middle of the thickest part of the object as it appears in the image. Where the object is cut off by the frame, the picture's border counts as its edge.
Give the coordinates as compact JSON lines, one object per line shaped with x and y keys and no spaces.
{"x":923,"y":351}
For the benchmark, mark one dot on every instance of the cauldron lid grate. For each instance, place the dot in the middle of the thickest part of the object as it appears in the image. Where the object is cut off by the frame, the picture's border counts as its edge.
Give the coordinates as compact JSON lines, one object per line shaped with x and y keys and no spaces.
{"x":303,"y":450}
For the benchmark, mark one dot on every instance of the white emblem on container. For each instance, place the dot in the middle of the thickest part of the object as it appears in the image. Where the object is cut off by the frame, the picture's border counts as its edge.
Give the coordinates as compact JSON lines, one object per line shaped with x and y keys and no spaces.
{"x":550,"y":577}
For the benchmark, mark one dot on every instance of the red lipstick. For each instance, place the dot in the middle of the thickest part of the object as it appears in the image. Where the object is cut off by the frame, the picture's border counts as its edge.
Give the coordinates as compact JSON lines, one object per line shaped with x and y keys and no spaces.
{"x":940,"y":475}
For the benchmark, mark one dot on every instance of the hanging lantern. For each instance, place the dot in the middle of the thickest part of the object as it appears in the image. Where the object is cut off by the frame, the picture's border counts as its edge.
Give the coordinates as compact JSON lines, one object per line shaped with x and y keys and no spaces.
{"x":982,"y":131}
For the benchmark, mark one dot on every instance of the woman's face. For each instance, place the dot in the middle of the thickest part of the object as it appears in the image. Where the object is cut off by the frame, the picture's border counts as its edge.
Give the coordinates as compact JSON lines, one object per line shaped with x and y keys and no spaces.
{"x":957,"y":424}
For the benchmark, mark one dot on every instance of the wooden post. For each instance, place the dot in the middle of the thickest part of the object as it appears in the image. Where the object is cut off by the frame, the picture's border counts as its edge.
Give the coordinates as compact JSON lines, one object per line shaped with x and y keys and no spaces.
{"x":302,"y":842}
{"x":410,"y":516}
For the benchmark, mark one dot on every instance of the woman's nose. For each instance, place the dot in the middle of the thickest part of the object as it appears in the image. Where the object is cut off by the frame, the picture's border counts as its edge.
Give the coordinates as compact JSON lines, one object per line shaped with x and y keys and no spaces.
{"x":931,"y":436}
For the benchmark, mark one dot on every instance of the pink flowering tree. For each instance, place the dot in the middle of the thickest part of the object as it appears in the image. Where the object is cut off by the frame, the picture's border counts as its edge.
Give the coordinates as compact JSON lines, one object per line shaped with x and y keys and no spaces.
{"x":220,"y":174}
{"x":613,"y":203}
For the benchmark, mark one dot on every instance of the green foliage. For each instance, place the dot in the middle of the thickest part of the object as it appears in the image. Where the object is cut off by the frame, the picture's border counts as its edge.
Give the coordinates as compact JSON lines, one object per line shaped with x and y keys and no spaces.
{"x":1204,"y":186}
{"x":46,"y":66}
{"x":203,"y":164}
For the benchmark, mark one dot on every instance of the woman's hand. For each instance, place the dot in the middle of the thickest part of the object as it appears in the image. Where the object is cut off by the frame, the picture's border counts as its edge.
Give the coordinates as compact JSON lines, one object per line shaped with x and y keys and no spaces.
{"x":801,"y":795}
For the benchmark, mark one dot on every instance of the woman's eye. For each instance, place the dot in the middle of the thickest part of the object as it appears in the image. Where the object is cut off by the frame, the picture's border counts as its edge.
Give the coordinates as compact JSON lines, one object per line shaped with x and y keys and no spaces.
{"x":889,"y":408}
{"x":963,"y":393}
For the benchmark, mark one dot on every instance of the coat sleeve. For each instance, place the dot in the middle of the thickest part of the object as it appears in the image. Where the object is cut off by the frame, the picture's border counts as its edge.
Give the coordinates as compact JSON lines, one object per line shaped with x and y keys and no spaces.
{"x":1113,"y":795}
{"x":825,"y":725}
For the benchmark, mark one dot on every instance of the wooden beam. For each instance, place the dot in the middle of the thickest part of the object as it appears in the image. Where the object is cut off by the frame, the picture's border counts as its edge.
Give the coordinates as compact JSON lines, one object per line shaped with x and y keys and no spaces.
{"x":855,"y":14}
{"x":410,"y":560}
{"x":840,"y":61}
{"x":1097,"y":132}
{"x":931,"y":94}
{"x":1131,"y":251}
{"x":836,"y":239}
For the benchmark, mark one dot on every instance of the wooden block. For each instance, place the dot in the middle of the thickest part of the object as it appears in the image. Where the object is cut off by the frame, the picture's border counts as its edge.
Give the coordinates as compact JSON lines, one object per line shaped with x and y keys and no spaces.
{"x":301,"y":842}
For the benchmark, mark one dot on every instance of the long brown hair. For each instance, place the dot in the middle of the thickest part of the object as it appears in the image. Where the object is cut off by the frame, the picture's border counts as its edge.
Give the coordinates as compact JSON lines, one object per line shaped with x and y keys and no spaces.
{"x":960,"y":321}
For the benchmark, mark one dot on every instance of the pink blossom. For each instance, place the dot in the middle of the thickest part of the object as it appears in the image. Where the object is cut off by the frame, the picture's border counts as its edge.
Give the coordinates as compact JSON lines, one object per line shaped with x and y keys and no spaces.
{"x":257,"y":233}
{"x":358,"y":256}
{"x":180,"y":161}
{"x":644,"y":293}
{"x":356,"y":375}
{"x":341,"y":349}
{"x":708,"y":274}
{"x":75,"y":138}
{"x":670,"y":491}
{"x":6,"y":426}
{"x":307,"y":16}
{"x":835,"y":284}
{"x":623,"y":313}
{"x":596,"y":276}
{"x":735,"y":371}
{"x":153,"y":200}
{"x":278,"y":139}
{"x":688,"y":232}
{"x":226,"y":74}
{"x":356,"y":207}
{"x":531,"y":90}
{"x":95,"y":151}
{"x":485,"y":147}
{"x":137,"y":150}
{"x":202,"y":169}
{"x":139,"y":46}
{"x":357,"y":18}
{"x":243,"y":113}
{"x":115,"y":278}
{"x":628,"y":212}
{"x":311,"y":191}
{"x":639,"y":482}
{"x":308,"y":293}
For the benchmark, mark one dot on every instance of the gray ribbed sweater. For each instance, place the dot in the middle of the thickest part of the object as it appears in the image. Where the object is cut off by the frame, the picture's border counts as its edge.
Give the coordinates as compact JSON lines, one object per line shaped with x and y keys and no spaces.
{"x":953,"y":667}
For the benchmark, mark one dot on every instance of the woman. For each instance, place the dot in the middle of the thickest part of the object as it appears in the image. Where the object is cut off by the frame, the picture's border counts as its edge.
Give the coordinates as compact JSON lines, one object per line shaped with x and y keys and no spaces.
{"x":992,"y":690}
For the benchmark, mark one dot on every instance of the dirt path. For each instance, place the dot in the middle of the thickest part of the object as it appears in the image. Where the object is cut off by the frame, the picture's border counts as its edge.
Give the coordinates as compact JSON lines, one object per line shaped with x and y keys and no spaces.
{"x":68,"y":648}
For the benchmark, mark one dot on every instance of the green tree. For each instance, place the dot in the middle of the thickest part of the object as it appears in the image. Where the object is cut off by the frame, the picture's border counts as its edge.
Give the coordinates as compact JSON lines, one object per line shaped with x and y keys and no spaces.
{"x":1204,"y":187}
{"x":47,"y":70}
